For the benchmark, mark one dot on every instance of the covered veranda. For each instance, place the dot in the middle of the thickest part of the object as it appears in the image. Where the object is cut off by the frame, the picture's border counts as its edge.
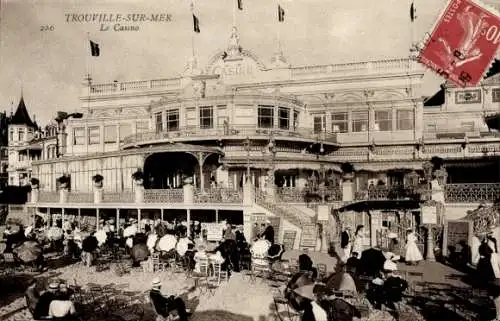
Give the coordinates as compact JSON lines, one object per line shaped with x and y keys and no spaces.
{"x":169,"y":166}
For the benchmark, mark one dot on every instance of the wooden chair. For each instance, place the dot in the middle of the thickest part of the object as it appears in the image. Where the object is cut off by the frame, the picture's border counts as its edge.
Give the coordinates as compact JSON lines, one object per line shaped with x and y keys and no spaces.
{"x":201,"y":277}
{"x":156,"y":264}
{"x":260,"y":269}
{"x":219,"y":273}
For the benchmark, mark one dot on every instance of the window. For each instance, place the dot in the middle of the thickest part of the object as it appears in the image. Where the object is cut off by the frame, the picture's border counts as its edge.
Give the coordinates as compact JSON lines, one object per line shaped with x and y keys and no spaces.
{"x":360,"y":121}
{"x":284,"y":118}
{"x":340,"y":122}
{"x":172,"y":120}
{"x":318,"y":124}
{"x":20,"y":135}
{"x":11,"y":134}
{"x":79,"y":136}
{"x":158,"y":122}
{"x":125,"y":131}
{"x":265,"y":117}
{"x":110,"y":134}
{"x":295,"y":119}
{"x":142,"y":126}
{"x":94,"y":135}
{"x":404,"y":119}
{"x":495,"y":95}
{"x":207,"y":117}
{"x":383,"y":120}
{"x":468,"y":126}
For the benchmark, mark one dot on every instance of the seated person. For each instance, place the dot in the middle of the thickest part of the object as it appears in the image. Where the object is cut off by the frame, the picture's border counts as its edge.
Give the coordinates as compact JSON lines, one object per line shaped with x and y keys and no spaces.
{"x":394,"y":285}
{"x":306,"y":264}
{"x":165,"y":306}
{"x":41,"y":310}
{"x":352,"y":264}
{"x":62,"y":308}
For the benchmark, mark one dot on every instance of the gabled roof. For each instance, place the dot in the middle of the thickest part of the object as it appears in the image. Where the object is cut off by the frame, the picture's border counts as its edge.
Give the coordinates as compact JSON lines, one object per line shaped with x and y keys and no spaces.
{"x":21,"y":116}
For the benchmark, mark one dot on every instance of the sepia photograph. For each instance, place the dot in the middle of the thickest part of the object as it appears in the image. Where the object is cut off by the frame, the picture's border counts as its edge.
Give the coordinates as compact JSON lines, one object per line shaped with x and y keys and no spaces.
{"x":249,"y":160}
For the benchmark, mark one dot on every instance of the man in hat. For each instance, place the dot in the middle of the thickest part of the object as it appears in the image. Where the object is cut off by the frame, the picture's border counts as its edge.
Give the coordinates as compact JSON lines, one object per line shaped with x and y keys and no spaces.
{"x":268,"y":233}
{"x":43,"y":304}
{"x":394,"y":285}
{"x":62,"y":308}
{"x":166,"y":306}
{"x":313,"y":311}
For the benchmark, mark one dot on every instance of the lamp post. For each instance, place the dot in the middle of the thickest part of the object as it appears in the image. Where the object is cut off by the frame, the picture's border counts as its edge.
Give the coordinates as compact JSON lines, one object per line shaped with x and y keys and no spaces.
{"x":247,"y":148}
{"x":428,"y":168}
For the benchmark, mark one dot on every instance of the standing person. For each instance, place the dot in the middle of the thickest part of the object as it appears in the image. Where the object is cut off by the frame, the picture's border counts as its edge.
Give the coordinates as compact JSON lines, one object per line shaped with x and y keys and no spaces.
{"x":412,"y":255}
{"x":62,"y":308}
{"x":345,"y":243}
{"x":359,"y":241}
{"x":268,"y":233}
{"x":493,"y":278}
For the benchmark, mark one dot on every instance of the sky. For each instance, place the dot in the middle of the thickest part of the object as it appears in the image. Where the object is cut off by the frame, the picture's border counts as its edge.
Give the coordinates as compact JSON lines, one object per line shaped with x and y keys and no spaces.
{"x":46,"y":55}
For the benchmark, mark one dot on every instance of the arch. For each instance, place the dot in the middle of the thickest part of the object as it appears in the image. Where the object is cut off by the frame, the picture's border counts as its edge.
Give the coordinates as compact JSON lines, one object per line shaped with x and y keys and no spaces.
{"x":349,"y":97}
{"x":389,"y":95}
{"x":244,"y":53}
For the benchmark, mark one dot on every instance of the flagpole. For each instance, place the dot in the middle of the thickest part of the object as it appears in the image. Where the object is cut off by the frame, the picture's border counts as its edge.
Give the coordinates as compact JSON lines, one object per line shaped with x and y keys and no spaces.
{"x":278,"y":33}
{"x":234,"y":13}
{"x":192,"y":31}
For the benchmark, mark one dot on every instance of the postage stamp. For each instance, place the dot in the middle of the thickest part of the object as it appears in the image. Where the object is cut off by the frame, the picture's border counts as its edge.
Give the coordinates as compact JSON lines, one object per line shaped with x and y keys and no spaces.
{"x":463,"y":43}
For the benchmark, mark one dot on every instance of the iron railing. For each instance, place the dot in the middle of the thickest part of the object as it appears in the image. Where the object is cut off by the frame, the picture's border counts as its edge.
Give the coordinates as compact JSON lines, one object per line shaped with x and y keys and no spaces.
{"x":175,"y":195}
{"x":308,"y":195}
{"x":80,"y":197}
{"x":218,"y":195}
{"x":48,"y":197}
{"x":472,"y":192}
{"x":191,"y":132}
{"x":388,"y":193}
{"x":119,"y":197}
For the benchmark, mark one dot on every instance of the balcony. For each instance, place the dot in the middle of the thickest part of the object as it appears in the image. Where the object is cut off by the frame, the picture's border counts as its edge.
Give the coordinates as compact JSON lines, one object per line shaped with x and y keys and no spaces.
{"x":307,"y":195}
{"x":218,"y":195}
{"x":134,"y":86}
{"x":388,"y":193}
{"x":221,"y":132}
{"x":472,"y":193}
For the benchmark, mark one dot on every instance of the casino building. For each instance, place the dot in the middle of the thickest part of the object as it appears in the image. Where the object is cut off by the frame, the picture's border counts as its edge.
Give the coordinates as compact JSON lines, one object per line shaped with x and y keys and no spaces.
{"x":243,"y":138}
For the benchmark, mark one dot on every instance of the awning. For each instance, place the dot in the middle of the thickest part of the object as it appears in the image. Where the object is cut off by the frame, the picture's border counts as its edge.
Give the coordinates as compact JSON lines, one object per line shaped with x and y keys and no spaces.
{"x":493,"y":121}
{"x":383,"y":167}
{"x":287,"y":166}
{"x":364,"y":206}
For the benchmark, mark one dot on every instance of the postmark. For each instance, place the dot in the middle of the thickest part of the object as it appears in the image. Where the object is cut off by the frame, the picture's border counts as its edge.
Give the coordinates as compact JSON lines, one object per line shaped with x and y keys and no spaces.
{"x":463,"y":43}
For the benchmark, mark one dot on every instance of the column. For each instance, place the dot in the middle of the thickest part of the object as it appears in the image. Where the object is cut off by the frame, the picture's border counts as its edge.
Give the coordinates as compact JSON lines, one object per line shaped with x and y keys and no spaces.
{"x":217,"y":216}
{"x":429,"y":257}
{"x":161,"y":214}
{"x":188,"y":219}
{"x":49,"y":217}
{"x":139,"y":218}
{"x":117,"y":220}
{"x":235,"y":181}
{"x":79,"y":218}
{"x":62,"y":216}
{"x":202,"y":178}
{"x":97,"y":219}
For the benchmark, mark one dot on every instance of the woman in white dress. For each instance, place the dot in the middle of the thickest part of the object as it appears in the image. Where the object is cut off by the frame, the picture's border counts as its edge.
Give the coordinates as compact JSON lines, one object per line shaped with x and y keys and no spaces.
{"x":357,"y":245}
{"x":412,"y":255}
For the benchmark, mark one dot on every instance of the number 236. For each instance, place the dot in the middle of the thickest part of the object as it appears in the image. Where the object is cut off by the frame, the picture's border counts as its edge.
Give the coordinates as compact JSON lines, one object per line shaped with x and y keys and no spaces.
{"x":47,"y":28}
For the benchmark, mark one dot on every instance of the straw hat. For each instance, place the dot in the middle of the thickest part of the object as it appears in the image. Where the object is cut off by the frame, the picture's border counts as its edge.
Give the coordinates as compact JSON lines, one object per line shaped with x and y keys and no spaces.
{"x":156,"y":283}
{"x":54,"y":286}
{"x":392,"y":235}
{"x":306,"y":291}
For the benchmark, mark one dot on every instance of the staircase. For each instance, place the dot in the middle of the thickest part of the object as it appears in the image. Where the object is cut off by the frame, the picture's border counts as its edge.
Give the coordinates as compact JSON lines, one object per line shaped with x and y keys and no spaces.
{"x":289,"y":213}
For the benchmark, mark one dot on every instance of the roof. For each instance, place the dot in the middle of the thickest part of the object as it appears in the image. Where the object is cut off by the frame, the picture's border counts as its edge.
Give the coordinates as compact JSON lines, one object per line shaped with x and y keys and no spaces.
{"x":494,"y":69}
{"x":21,"y":116}
{"x":437,"y":100}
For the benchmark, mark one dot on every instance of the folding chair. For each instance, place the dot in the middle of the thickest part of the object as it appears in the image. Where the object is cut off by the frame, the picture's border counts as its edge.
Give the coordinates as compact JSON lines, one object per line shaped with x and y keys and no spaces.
{"x":201,"y":277}
{"x":219,"y":273}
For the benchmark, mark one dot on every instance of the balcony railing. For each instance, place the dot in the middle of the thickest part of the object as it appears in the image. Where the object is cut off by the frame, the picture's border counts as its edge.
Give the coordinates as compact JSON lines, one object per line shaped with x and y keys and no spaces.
{"x":297,"y":195}
{"x":472,"y":192}
{"x":121,"y":197}
{"x":218,"y":195}
{"x":131,"y":86}
{"x":80,"y":197}
{"x":175,"y":195}
{"x":235,"y":131}
{"x":388,"y":193}
{"x":48,"y":197}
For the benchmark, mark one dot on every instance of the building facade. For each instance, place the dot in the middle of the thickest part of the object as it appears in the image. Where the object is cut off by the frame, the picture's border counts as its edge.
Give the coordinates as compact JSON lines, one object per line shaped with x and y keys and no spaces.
{"x":286,"y":130}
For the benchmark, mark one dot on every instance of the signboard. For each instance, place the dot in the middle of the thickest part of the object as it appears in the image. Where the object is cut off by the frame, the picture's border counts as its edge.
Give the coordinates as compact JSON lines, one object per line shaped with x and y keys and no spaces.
{"x":214,"y":231}
{"x":456,"y":231}
{"x":259,"y":218}
{"x":289,"y":239}
{"x":323,"y":213}
{"x":428,"y":215}
{"x":309,"y":236}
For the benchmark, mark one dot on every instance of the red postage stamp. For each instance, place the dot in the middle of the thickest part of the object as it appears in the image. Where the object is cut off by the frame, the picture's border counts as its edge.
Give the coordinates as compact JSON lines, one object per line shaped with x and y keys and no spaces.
{"x":463,"y":43}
